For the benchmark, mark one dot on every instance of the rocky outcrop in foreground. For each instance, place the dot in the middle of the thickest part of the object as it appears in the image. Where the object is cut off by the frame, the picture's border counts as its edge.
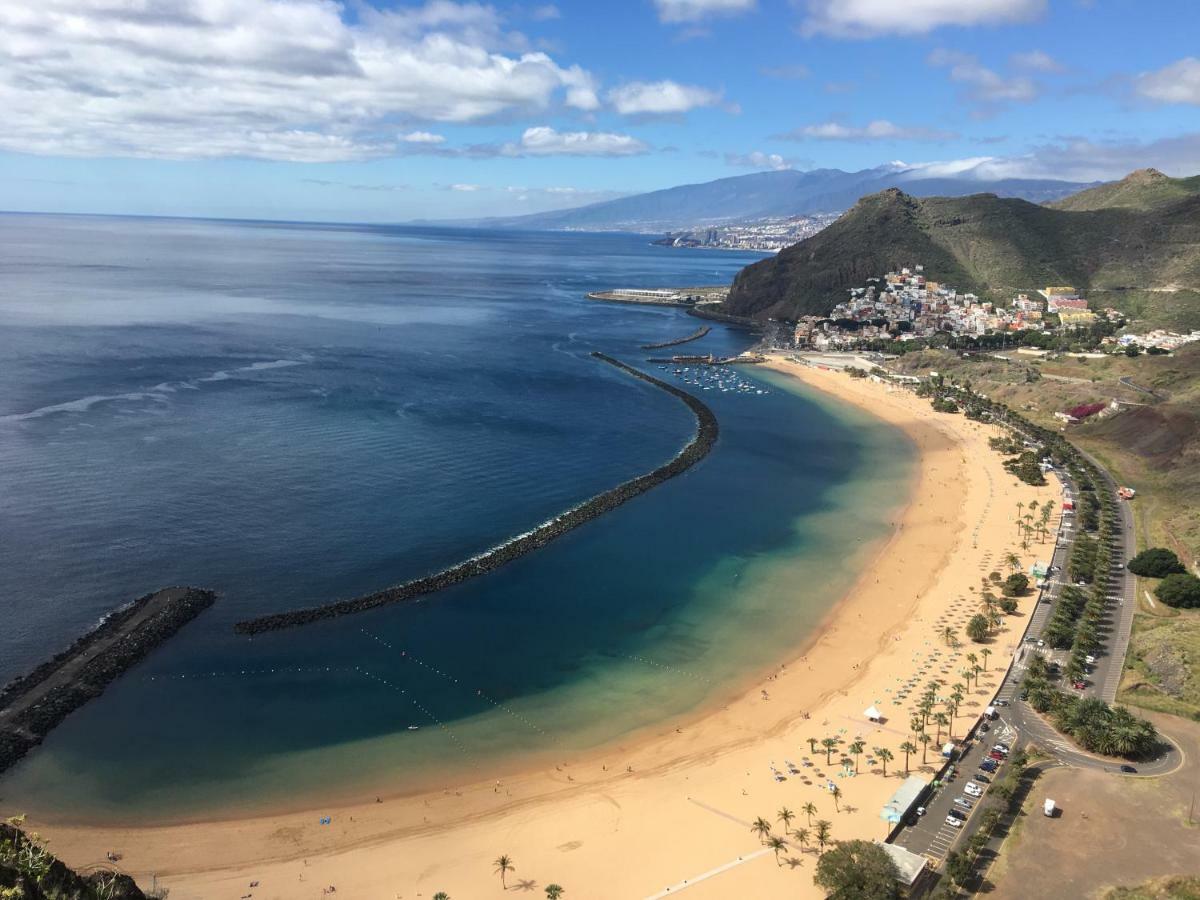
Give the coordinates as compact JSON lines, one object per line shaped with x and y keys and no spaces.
{"x":29,"y":872}
{"x":695,"y":450}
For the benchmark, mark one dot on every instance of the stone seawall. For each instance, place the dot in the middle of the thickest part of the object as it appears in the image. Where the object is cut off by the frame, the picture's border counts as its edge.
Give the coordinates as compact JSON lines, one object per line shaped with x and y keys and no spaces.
{"x":694,"y":336}
{"x":31,"y":706}
{"x":696,"y":449}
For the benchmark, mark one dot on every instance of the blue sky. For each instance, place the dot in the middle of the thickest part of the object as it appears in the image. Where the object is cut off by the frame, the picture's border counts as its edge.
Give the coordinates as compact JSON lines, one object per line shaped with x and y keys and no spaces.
{"x":312,"y":109}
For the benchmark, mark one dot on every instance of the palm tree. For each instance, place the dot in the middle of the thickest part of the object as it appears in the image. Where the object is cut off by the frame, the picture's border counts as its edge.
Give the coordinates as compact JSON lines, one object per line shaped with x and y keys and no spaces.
{"x":908,"y":747}
{"x":985,"y":653}
{"x":829,"y":744}
{"x":554,"y":891}
{"x":1013,"y":561}
{"x":441,"y":895}
{"x":810,"y":810}
{"x":923,"y":737}
{"x":856,"y":749}
{"x":801,"y":835}
{"x":941,"y":721}
{"x":949,"y":635}
{"x":972,"y":658}
{"x":836,"y":793}
{"x":1020,"y":509}
{"x":785,"y":816}
{"x":967,"y":675}
{"x":885,"y":757}
{"x":777,"y":843}
{"x":504,"y":865}
{"x":761,"y":827}
{"x":823,"y":827}
{"x":812,"y":745}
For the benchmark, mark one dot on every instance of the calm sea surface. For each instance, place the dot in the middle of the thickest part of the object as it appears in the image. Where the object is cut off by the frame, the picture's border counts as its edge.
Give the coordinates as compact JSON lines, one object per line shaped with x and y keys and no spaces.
{"x":294,"y":413}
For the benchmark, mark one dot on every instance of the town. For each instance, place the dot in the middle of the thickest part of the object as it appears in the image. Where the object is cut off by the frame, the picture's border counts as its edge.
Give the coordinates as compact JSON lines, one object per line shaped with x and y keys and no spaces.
{"x":908,"y":310}
{"x":766,"y":235}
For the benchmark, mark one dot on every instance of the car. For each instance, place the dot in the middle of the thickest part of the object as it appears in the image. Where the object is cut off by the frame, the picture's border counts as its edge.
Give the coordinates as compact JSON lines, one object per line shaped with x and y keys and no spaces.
{"x":1000,"y":703}
{"x":982,"y":779}
{"x":989,"y":766}
{"x":1078,"y":685}
{"x":955,"y":814}
{"x":1129,"y":770}
{"x":1090,"y":660}
{"x":964,"y":802}
{"x":1003,"y":748}
{"x":972,"y":790}
{"x":953,"y":822}
{"x":985,"y":727}
{"x":996,"y":755}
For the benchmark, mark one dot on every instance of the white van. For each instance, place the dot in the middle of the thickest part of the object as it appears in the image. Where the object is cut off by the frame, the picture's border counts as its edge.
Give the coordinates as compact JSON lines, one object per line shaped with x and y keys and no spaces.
{"x":1048,"y":808}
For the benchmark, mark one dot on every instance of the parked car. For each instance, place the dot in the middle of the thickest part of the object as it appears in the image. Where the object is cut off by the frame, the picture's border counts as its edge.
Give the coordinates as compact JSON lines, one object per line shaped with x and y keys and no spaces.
{"x":953,"y":822}
{"x":962,"y":817}
{"x":1129,"y":770}
{"x":964,"y":802}
{"x":1079,"y":685}
{"x":972,"y":790}
{"x":1090,"y":660}
{"x":996,"y":755}
{"x":1000,"y":703}
{"x":982,"y":779}
{"x":989,"y":765}
{"x":1003,"y":748}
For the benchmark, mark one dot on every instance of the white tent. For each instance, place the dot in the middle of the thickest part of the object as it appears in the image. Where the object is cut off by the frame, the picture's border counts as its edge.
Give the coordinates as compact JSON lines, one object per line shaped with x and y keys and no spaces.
{"x":872,"y":713}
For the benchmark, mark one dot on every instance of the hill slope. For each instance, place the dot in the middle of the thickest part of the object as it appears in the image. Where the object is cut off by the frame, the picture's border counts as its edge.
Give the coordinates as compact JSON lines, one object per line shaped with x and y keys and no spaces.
{"x":981,"y":243}
{"x":1144,"y":189}
{"x":768,"y":195}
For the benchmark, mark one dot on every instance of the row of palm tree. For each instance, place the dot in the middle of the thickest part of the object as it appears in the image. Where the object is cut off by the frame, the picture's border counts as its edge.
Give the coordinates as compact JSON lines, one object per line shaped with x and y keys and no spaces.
{"x":820,"y":833}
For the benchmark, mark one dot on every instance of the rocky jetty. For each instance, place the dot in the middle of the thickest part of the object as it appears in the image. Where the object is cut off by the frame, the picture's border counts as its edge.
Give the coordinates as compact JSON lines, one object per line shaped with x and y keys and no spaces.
{"x":694,"y":336}
{"x":31,"y":706}
{"x":695,"y":450}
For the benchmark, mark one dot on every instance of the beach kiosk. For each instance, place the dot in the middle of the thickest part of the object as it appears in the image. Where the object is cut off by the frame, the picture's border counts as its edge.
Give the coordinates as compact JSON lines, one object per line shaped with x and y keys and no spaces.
{"x":873,"y":714}
{"x":904,"y":799}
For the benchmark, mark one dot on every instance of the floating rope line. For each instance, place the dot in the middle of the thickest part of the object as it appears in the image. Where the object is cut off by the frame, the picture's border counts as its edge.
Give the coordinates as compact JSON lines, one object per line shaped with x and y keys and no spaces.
{"x":450,"y":734}
{"x":667,"y":668}
{"x":239,"y":673}
{"x":478,"y":692}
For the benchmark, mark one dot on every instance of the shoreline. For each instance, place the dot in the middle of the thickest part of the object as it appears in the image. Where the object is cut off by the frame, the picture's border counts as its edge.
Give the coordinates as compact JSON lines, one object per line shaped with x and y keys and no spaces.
{"x":674,"y":779}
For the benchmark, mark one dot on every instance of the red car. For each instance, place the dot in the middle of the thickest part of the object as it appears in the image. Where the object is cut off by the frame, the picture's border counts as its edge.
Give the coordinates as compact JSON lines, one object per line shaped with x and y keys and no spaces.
{"x":1078,"y":685}
{"x":996,"y":755}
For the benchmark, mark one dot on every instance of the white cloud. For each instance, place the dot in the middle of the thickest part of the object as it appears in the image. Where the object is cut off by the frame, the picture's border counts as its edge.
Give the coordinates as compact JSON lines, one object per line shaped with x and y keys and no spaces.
{"x":660,"y":98}
{"x":757,"y":160}
{"x":1036,"y":61}
{"x":543,"y":140}
{"x":695,"y":10}
{"x":877,"y":130}
{"x":279,"y":79}
{"x":871,"y":18}
{"x":465,"y":188}
{"x":1080,"y":159}
{"x":982,"y":84}
{"x":422,"y":137}
{"x":545,"y":13}
{"x":1177,"y":83}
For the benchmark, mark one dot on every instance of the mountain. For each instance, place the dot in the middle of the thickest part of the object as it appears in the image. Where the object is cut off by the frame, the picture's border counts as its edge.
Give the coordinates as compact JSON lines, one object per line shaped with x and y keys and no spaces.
{"x":980,"y":243}
{"x":1144,"y":189}
{"x":769,"y":195}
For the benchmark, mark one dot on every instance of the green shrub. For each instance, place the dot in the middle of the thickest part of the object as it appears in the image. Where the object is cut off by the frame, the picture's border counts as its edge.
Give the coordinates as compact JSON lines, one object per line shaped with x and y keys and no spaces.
{"x":1157,"y":562}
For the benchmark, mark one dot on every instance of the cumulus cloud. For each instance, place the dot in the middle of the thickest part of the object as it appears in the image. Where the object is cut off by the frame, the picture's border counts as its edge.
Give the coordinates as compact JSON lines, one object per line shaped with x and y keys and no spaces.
{"x":1036,"y":61}
{"x":660,"y":98}
{"x":757,"y":160}
{"x":695,"y":10}
{"x":983,"y":85}
{"x":279,"y":79}
{"x":1080,"y":159}
{"x":422,"y":137}
{"x":543,"y":140}
{"x":876,"y":130}
{"x":1177,"y":83}
{"x":871,"y":18}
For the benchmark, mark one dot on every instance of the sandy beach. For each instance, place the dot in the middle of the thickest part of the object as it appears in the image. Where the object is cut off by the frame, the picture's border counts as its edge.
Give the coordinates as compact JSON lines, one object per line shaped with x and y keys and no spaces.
{"x":671,"y":811}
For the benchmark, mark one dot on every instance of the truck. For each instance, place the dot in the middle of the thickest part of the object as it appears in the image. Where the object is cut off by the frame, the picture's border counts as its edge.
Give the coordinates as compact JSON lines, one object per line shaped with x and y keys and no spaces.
{"x":1048,"y":808}
{"x":991,"y":713}
{"x":948,"y":751}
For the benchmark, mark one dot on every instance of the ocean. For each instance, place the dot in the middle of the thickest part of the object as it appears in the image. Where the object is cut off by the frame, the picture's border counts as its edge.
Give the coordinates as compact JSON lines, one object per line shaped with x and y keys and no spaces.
{"x":293,"y":413}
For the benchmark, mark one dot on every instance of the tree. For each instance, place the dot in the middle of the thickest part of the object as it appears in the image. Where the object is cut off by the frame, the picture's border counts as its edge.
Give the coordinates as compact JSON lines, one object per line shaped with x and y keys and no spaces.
{"x":830,"y":744}
{"x":858,"y":870}
{"x":836,"y":793}
{"x":812,"y":744}
{"x":949,"y":635}
{"x":554,"y":891}
{"x":785,"y":816}
{"x":1180,"y":591}
{"x":441,"y":895}
{"x":978,"y":629}
{"x":907,"y":748}
{"x":777,"y":843}
{"x":885,"y":757}
{"x":924,"y":738}
{"x":856,"y":749}
{"x":761,"y":827}
{"x":1013,"y":561}
{"x":1015,"y":584}
{"x":941,"y":720}
{"x":504,"y":865}
{"x":823,"y":827}
{"x":810,"y":810}
{"x":1156,"y":562}
{"x":801,"y":835}
{"x":959,"y":868}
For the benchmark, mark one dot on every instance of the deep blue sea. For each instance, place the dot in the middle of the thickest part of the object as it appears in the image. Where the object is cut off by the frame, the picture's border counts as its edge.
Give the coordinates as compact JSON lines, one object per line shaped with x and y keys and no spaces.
{"x":291,"y":413}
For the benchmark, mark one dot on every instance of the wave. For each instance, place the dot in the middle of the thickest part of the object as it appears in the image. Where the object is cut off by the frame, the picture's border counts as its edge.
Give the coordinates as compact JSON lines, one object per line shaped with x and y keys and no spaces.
{"x":158,"y":394}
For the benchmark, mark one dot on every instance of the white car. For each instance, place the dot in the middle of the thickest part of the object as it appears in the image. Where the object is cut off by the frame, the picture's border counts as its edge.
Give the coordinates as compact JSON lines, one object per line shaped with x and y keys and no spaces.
{"x":973,"y":790}
{"x":953,"y":822}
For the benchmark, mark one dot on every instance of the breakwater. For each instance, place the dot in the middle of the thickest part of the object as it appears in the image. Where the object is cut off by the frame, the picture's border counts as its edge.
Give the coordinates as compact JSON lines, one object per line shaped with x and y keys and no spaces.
{"x":696,"y":449}
{"x":694,"y":336}
{"x":32,"y":705}
{"x":704,"y":312}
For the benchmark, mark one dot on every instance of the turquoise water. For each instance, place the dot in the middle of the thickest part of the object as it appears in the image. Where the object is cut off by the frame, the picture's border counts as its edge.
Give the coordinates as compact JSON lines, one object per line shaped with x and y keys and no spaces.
{"x":290,"y":414}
